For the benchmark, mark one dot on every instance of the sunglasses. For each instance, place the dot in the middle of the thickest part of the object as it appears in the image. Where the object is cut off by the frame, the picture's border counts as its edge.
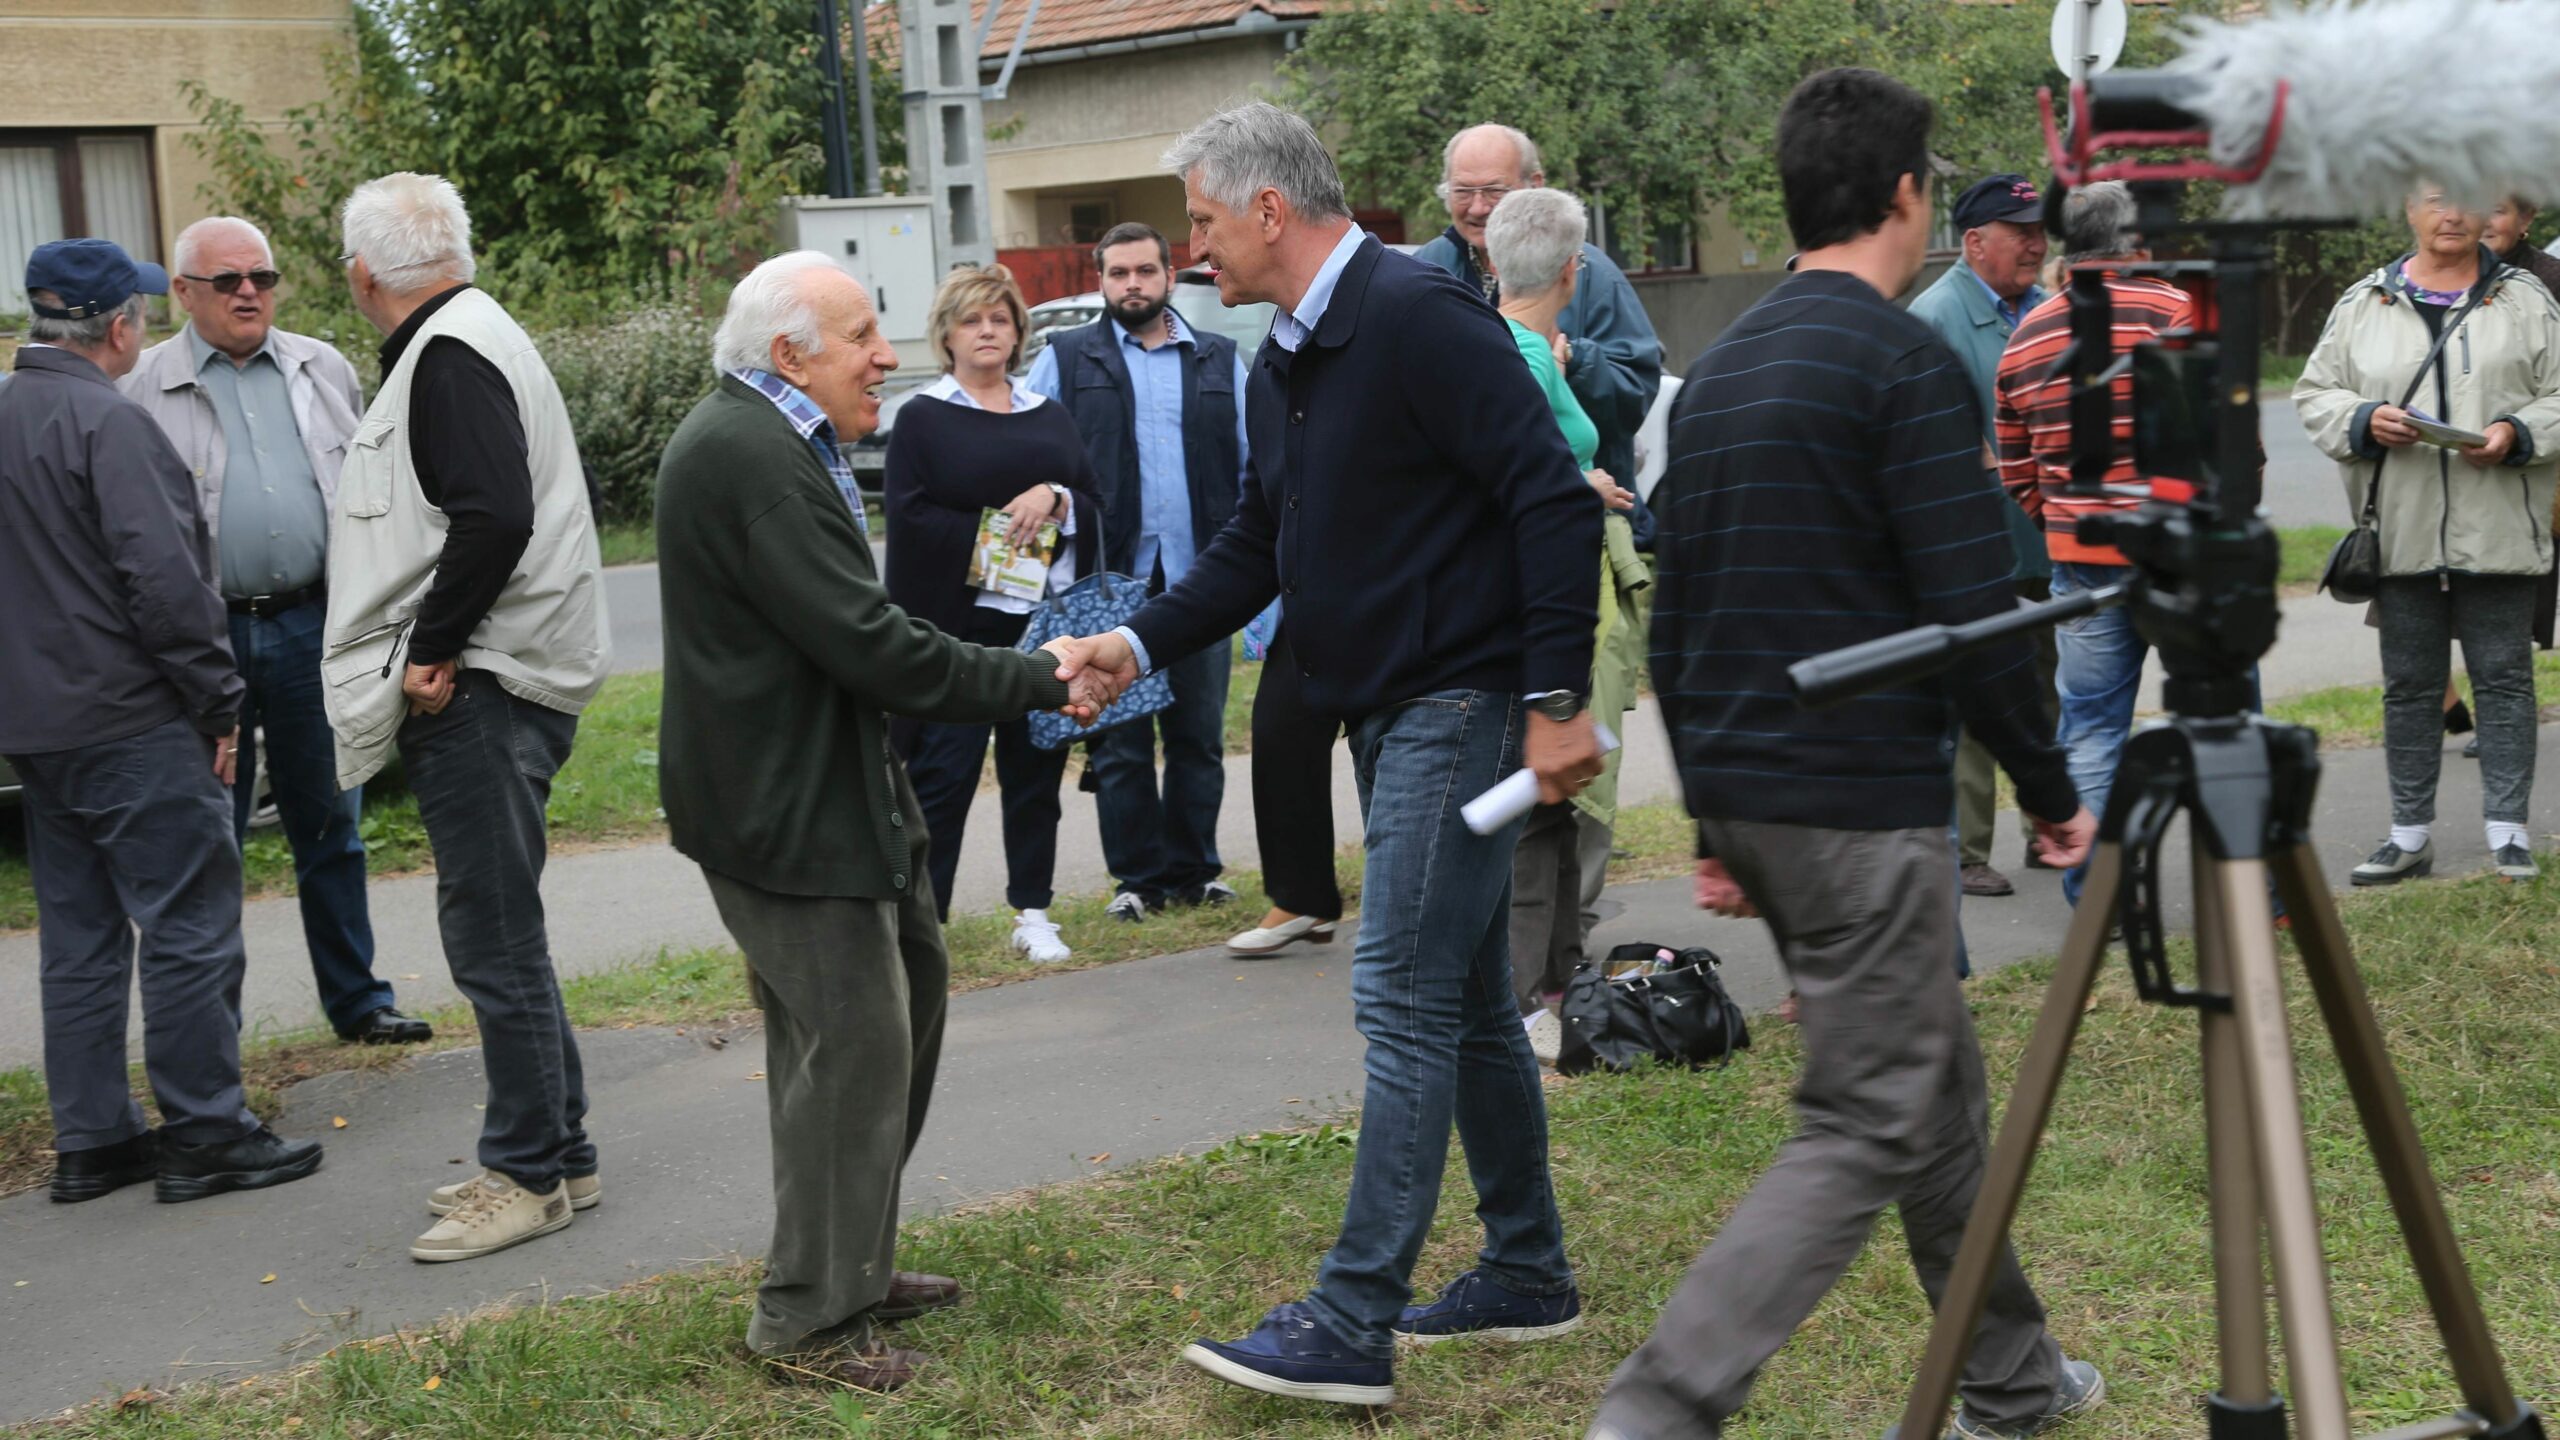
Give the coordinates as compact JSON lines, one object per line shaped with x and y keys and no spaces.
{"x":228,"y":282}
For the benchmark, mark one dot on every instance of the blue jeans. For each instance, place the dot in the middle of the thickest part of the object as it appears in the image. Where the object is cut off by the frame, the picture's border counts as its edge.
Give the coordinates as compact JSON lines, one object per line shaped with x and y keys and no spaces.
{"x":1160,"y":846}
{"x":2097,"y":677}
{"x":482,"y":773}
{"x":280,"y":660}
{"x":1431,"y":991}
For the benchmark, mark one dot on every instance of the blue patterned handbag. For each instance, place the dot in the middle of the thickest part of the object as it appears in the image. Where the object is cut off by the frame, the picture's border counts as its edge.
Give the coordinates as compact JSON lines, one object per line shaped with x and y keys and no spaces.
{"x":1090,"y":606}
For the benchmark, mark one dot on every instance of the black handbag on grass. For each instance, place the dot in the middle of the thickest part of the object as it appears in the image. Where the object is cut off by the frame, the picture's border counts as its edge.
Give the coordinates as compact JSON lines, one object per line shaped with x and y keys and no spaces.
{"x":1643,"y":1001}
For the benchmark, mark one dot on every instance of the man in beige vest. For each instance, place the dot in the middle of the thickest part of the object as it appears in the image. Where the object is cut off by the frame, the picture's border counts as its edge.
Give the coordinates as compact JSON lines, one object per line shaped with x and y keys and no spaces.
{"x":466,"y":626}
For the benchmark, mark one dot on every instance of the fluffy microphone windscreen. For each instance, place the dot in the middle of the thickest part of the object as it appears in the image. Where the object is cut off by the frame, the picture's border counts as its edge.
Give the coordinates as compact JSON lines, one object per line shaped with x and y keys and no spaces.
{"x":2386,"y":96}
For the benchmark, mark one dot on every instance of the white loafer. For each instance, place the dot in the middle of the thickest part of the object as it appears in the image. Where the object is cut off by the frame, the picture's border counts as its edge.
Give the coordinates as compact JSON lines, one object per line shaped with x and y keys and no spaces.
{"x":1271,"y":940}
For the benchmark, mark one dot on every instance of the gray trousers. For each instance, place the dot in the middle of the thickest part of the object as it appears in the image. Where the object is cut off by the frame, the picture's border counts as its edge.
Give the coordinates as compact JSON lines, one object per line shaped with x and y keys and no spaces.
{"x":853,"y":994}
{"x":1978,"y":775}
{"x":2492,"y":615}
{"x":124,"y":835}
{"x":1892,"y":1111}
{"x":1592,"y":843}
{"x":1546,"y":904}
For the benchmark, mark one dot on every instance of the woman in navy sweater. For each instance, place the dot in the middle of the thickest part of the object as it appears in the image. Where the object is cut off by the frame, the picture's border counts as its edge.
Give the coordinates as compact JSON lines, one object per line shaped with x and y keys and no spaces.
{"x":973,"y":441}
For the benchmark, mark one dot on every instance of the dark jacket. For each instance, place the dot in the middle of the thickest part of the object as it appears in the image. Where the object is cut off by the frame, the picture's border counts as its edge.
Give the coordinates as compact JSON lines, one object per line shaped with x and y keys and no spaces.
{"x":1617,"y":360}
{"x":1093,"y":385}
{"x":1413,"y":500}
{"x":2540,"y":263}
{"x":109,"y":621}
{"x":948,"y":465}
{"x":783,"y":657}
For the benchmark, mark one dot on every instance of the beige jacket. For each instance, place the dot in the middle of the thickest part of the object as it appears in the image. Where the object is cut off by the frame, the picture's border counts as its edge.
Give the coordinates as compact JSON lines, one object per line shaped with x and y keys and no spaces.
{"x":326,"y":404}
{"x":2437,"y":512}
{"x":544,"y":639}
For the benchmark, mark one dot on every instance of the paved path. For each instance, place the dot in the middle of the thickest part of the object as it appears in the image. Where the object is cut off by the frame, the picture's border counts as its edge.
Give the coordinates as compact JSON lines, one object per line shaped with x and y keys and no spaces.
{"x":1131,"y":1061}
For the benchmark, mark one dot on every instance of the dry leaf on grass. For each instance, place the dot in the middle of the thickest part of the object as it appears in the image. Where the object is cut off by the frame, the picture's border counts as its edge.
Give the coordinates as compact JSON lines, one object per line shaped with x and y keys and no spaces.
{"x":269,"y":1279}
{"x":432,"y":1382}
{"x":337,"y":1122}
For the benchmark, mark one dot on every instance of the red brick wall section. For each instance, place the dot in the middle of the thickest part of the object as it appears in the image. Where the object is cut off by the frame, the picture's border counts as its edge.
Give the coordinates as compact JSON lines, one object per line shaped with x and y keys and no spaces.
{"x":1053,"y":272}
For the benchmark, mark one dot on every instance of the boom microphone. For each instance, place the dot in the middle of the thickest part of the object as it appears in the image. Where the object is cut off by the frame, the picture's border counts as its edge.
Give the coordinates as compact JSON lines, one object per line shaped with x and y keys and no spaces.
{"x":2363,"y":103}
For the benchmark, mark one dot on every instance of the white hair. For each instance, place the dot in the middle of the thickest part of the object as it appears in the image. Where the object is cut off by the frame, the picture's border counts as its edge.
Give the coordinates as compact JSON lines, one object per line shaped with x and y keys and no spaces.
{"x":2097,"y":222}
{"x":87,"y":333}
{"x":192,"y":240}
{"x":1532,"y":238}
{"x":770,"y":303}
{"x":1239,"y":153}
{"x":1521,"y":144}
{"x":410,"y":230}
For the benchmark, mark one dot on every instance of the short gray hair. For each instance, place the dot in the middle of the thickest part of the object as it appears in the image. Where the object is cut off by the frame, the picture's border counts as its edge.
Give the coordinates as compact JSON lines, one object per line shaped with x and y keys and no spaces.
{"x":192,"y":239}
{"x":86,"y":333}
{"x":2097,"y":222}
{"x":766,"y":304}
{"x":1520,"y":142}
{"x":410,"y":230}
{"x":1242,"y":152}
{"x":1532,"y":238}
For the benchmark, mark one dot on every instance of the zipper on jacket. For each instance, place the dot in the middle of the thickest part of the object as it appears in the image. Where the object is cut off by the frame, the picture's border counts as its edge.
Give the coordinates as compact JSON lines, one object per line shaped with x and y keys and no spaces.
{"x":2466,"y":348}
{"x":396,"y":642}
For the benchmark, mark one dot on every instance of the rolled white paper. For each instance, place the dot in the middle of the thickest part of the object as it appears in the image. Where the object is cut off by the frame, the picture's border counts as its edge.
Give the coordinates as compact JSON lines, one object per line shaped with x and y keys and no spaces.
{"x":1516,"y":794}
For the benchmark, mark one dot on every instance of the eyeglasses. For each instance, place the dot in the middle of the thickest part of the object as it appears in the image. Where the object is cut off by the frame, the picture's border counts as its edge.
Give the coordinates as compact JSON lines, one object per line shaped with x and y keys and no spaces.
{"x":1465,"y":195}
{"x":228,"y":282}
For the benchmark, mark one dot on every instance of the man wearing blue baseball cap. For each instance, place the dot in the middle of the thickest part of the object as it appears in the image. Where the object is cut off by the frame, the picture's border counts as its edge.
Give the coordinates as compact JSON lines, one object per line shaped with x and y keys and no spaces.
{"x":119,"y":710}
{"x":1974,"y":307}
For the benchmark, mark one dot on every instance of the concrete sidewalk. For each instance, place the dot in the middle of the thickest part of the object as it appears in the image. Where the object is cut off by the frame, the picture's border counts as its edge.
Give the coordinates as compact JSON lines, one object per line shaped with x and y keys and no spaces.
{"x":1040,"y":1079}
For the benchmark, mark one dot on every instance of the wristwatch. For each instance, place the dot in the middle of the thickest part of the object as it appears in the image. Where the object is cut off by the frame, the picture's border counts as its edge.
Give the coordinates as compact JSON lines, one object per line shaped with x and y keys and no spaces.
{"x":1558,"y":705}
{"x":1059,"y":491}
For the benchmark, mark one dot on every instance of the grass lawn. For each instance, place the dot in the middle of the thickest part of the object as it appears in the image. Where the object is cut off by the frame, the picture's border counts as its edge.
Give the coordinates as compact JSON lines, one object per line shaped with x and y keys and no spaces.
{"x":2306,"y":554}
{"x":2277,"y":374}
{"x":709,"y":986}
{"x":1083,"y":1293}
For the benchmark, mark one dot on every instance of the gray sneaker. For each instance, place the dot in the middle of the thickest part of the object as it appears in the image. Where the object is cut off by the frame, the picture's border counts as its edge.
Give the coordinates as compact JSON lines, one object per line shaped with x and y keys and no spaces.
{"x":2516,"y":863}
{"x":2390,"y":865}
{"x":2080,"y":1390}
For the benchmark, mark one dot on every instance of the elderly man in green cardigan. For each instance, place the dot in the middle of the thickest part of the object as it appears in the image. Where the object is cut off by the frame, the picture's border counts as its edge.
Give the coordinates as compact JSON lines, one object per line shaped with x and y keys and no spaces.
{"x":784,"y":660}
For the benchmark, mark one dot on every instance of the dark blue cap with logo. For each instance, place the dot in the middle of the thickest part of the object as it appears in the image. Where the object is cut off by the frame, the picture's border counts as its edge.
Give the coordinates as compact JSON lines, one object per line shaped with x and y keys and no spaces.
{"x":90,"y":277}
{"x":1998,"y":197}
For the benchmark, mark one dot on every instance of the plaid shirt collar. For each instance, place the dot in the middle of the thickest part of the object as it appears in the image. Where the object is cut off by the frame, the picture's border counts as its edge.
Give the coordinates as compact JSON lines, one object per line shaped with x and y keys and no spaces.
{"x":815,"y":427}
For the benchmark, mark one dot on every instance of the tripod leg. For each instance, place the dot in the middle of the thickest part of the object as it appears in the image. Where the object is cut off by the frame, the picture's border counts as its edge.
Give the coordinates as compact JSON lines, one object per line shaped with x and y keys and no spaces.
{"x":2393,"y":1135}
{"x":2284,"y":1157}
{"x":2245,"y":1407}
{"x":2004,"y":1177}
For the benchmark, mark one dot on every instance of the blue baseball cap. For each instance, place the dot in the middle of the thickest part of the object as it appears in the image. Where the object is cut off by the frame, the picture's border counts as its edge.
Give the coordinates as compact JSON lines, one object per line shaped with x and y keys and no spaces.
{"x":1998,"y":197}
{"x":91,"y":277}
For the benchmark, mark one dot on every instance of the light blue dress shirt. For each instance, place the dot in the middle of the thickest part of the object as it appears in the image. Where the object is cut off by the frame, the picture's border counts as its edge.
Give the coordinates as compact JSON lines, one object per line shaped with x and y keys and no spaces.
{"x":275,"y":525}
{"x":2009,"y":311}
{"x":1164,"y":473}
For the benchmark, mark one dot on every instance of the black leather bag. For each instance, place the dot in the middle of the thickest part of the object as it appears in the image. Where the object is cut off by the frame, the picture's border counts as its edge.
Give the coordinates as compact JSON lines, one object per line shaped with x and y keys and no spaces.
{"x":1674,"y":1011}
{"x":2354,"y":572}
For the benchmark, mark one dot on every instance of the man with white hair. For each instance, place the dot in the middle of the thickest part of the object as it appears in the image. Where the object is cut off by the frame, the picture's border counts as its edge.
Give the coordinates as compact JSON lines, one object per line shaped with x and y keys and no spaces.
{"x":261,"y":417}
{"x":466,"y":625}
{"x":1426,"y":612}
{"x":785,"y":659}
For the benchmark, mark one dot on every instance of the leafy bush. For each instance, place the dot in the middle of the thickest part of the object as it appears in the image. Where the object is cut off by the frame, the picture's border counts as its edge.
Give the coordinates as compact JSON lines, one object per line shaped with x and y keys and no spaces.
{"x":628,"y":384}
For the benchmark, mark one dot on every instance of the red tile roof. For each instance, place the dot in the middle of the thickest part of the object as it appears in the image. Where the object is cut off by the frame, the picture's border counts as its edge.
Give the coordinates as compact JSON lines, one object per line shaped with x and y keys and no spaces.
{"x":1065,"y":23}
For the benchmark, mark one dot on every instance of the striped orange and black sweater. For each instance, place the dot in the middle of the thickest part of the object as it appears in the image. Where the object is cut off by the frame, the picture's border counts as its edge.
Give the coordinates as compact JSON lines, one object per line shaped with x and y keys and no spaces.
{"x":2031,"y":419}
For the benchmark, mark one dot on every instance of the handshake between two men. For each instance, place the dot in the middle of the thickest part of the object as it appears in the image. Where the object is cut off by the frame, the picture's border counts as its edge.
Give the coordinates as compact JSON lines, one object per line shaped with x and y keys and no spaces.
{"x":1565,"y":755}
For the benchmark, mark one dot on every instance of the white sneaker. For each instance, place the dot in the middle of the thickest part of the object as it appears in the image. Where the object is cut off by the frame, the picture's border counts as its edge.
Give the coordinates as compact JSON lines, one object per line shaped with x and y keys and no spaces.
{"x":497,"y":1214}
{"x":1271,"y":939}
{"x":1546,"y":1036}
{"x":586,"y":1192}
{"x":1036,"y":936}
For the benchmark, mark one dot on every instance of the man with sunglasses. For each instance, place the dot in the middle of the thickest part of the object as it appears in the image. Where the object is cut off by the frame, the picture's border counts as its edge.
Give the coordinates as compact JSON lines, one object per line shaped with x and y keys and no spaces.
{"x":262,"y":417}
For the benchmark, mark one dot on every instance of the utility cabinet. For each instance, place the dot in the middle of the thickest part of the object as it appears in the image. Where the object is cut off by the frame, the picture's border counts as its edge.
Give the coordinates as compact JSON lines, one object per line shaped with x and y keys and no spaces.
{"x":884,"y":241}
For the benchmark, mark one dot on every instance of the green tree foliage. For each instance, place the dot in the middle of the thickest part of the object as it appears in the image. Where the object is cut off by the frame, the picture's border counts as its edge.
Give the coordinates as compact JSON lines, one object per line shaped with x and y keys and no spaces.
{"x":603,"y":145}
{"x":1664,"y":107}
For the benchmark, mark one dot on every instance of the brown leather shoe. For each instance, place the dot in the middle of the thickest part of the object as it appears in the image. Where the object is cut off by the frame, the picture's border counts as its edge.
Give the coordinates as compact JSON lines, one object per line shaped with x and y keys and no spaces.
{"x":871,"y":1365}
{"x":1983,"y":881}
{"x":911,"y":1295}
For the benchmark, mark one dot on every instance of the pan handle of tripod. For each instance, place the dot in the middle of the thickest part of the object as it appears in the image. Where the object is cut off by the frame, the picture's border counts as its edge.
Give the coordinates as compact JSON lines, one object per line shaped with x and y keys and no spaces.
{"x":1837,"y":675}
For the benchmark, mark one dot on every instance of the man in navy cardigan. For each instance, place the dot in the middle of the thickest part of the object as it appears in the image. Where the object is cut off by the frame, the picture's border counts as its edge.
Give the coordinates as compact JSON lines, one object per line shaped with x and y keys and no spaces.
{"x":1413,"y":499}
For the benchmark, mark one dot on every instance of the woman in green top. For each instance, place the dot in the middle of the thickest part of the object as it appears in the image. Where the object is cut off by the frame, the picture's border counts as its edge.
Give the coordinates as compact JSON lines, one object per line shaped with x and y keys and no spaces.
{"x":1534,"y":242}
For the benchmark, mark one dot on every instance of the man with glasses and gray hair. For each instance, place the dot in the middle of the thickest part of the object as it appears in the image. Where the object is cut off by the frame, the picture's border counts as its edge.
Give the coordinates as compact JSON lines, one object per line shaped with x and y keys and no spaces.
{"x":261,"y":417}
{"x":1414,"y":500}
{"x":120,"y":712}
{"x":466,"y":626}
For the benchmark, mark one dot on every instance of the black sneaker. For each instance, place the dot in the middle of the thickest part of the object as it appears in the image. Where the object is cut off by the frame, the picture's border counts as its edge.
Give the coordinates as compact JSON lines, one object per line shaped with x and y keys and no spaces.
{"x":2514,"y":863}
{"x":1212,"y":895}
{"x":1127,"y":906}
{"x":87,"y":1174}
{"x":2390,"y":865}
{"x":253,"y":1162}
{"x":2471,"y":748}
